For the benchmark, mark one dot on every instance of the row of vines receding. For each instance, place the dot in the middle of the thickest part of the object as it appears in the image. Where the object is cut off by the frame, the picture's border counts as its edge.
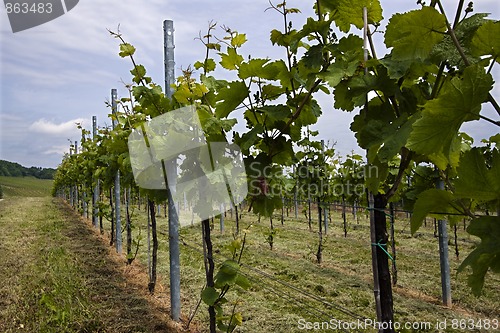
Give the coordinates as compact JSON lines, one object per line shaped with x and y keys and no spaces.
{"x":409,"y":105}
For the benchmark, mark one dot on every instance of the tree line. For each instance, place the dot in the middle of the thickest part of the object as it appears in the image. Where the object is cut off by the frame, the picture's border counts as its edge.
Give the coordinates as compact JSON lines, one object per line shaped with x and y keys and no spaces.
{"x":12,"y":169}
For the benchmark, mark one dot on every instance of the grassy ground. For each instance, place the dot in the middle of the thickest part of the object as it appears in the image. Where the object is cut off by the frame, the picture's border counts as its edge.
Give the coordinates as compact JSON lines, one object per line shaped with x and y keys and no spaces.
{"x":288,"y":285}
{"x":58,"y":275}
{"x":25,"y":186}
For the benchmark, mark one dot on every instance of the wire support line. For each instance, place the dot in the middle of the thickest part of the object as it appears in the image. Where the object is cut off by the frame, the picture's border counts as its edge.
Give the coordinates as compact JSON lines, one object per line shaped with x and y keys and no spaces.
{"x":337,"y":205}
{"x":315,"y":312}
{"x":281,"y":293}
{"x":339,"y":308}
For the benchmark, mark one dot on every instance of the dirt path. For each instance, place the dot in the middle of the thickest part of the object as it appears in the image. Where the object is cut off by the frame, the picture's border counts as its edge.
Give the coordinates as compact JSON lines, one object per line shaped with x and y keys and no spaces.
{"x":59,"y":275}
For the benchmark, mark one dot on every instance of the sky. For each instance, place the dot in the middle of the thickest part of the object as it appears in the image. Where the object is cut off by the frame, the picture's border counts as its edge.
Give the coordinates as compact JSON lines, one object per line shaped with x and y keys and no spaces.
{"x":60,"y":73}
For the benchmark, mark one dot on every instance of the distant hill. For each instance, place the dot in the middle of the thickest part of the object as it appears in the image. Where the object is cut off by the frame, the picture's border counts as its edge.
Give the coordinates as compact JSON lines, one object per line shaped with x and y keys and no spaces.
{"x":11,"y":169}
{"x":25,"y":187}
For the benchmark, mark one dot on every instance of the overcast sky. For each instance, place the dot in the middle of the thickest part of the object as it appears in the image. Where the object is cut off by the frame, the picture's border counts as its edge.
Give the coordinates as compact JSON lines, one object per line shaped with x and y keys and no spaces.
{"x":61,"y":73}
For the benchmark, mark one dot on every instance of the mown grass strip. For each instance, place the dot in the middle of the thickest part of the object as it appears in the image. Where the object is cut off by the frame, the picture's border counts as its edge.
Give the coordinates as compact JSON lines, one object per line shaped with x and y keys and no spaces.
{"x":59,"y":276}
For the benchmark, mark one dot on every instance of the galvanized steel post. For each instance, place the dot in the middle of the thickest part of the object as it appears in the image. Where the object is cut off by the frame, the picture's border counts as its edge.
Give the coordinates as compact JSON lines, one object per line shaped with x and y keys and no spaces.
{"x":118,"y":224}
{"x":171,"y":171}
{"x":96,"y":194}
{"x":443,"y":256}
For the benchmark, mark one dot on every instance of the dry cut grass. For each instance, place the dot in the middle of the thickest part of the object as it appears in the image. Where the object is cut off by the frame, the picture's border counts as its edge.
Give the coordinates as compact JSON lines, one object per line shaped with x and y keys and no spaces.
{"x":58,"y":275}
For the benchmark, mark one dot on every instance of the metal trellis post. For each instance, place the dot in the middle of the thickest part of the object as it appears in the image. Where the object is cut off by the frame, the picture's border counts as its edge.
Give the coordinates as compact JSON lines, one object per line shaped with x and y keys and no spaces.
{"x":95,"y":197}
{"x":118,"y":224}
{"x":443,"y":256}
{"x":171,"y":172}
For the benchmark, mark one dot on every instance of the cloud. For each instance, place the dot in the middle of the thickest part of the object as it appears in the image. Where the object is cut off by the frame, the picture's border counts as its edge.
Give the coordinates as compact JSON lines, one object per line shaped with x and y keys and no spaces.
{"x":56,"y":150}
{"x":66,"y":67}
{"x":47,"y":127}
{"x":9,"y":117}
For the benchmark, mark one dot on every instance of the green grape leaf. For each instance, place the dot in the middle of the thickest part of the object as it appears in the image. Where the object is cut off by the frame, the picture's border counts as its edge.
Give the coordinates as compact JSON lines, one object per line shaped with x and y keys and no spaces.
{"x":271,"y":92}
{"x":235,"y":245}
{"x":281,"y":150}
{"x":282,"y":74}
{"x":198,"y":65}
{"x":253,"y":68}
{"x":265,"y":205}
{"x":212,"y":83}
{"x":209,"y":295}
{"x":313,"y":58}
{"x":212,"y":126}
{"x":277,"y":37}
{"x":310,"y":113}
{"x":275,"y":70}
{"x":487,"y":40}
{"x":230,"y":97}
{"x":213,"y":46}
{"x":446,"y":49}
{"x":495,"y":138}
{"x":412,"y":35}
{"x":338,"y":71}
{"x":329,"y":5}
{"x":126,"y":50}
{"x":231,"y":60}
{"x":435,"y":134}
{"x":449,"y":156}
{"x":138,"y":72}
{"x":430,"y":201}
{"x":341,"y":96}
{"x":351,"y":93}
{"x":395,"y":68}
{"x":295,"y":132}
{"x":249,"y":138}
{"x":237,"y":319}
{"x":351,"y":13}
{"x":238,"y":40}
{"x":350,"y":46}
{"x":348,"y":59}
{"x":390,"y":137}
{"x":182,"y":95}
{"x":486,"y":255}
{"x":230,"y":267}
{"x":227,"y":274}
{"x":228,"y":124}
{"x":209,"y":65}
{"x":314,"y":26}
{"x":275,"y":112}
{"x":242,"y":281}
{"x":475,"y":180}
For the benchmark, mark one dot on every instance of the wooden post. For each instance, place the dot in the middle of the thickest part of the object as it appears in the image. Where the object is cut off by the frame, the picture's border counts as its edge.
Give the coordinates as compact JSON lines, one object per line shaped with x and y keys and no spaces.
{"x":371,"y":205}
